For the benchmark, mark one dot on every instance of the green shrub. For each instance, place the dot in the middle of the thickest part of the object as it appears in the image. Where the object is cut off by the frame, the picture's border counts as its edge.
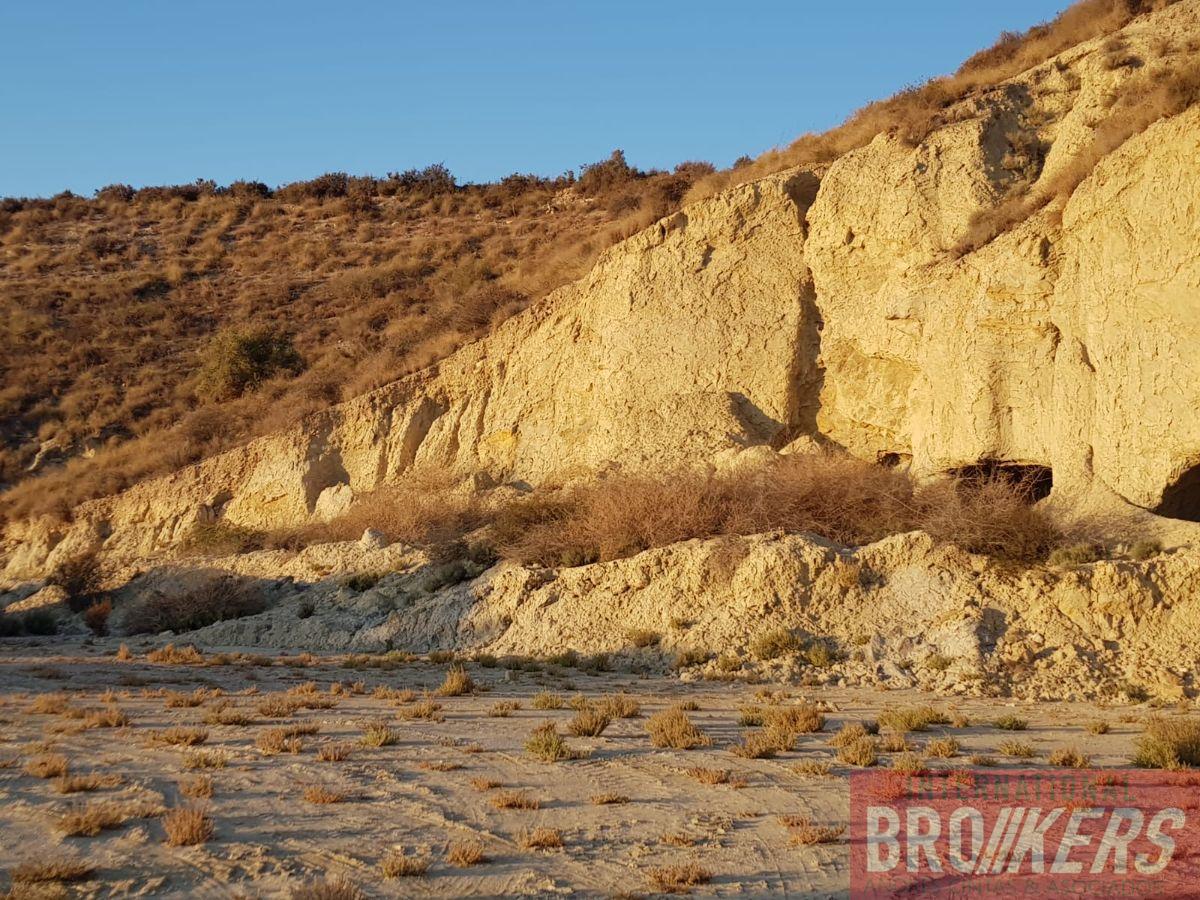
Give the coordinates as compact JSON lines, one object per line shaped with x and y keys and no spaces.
{"x":239,"y":361}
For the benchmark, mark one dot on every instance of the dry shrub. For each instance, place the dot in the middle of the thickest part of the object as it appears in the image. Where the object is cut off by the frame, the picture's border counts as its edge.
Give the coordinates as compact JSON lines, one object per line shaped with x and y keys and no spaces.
{"x":96,"y":616}
{"x":53,"y":870}
{"x":206,"y":759}
{"x":320,"y":794}
{"x":47,"y":765}
{"x":484,"y":784}
{"x":176,"y":656}
{"x":330,"y":889}
{"x":813,"y":769}
{"x":198,"y":787}
{"x":1168,"y":744}
{"x":619,"y":706}
{"x":540,"y":839}
{"x":176,"y":700}
{"x":861,"y":751}
{"x":465,"y":853}
{"x":502,"y":709}
{"x":547,"y":700}
{"x":1010,"y":722}
{"x":588,"y":722}
{"x":1017,"y":749}
{"x":672,"y":728}
{"x":757,"y":745}
{"x":608,"y":799}
{"x":78,"y":784}
{"x":179,"y":736}
{"x":1069,"y":757}
{"x":427,"y":709}
{"x":546,"y":744}
{"x":943,"y":748}
{"x":911,"y":718}
{"x":187,"y":826}
{"x":398,"y":864}
{"x":379,"y":734}
{"x":804,"y":718}
{"x":678,"y":879}
{"x":804,"y":833}
{"x":219,"y":599}
{"x":50,"y":704}
{"x":709,"y":776}
{"x":334,"y":752}
{"x":832,"y":495}
{"x":92,"y":818}
{"x":514,"y":800}
{"x":458,"y":682}
{"x":273,"y":741}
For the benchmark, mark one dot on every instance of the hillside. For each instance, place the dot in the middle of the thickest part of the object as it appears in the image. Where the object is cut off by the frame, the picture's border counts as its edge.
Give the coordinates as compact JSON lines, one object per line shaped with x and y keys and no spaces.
{"x":112,"y":307}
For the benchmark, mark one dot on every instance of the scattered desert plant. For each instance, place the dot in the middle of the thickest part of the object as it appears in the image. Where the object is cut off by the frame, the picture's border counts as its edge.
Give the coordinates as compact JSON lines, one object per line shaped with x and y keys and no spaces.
{"x":187,"y":826}
{"x":1098,"y":727}
{"x":502,"y":709}
{"x":756,"y":745}
{"x":540,"y":839}
{"x":321,"y":795}
{"x":1070,"y":758}
{"x":206,"y":759}
{"x":774,"y":643}
{"x":427,"y":709}
{"x":1145,"y":549}
{"x":1168,"y":744}
{"x":336,"y":888}
{"x":911,"y":718}
{"x":272,"y":741}
{"x":804,"y":833}
{"x":709,"y":776}
{"x":198,"y":787}
{"x":608,"y":799}
{"x":859,"y":752}
{"x":458,"y":682}
{"x":982,"y":760}
{"x":545,"y":743}
{"x":1016,"y":749}
{"x":1075,"y":555}
{"x":813,"y":768}
{"x":514,"y":800}
{"x":77,"y":784}
{"x":484,"y":784}
{"x":547,"y":700}
{"x":92,"y":818}
{"x":175,"y":656}
{"x":398,"y":864}
{"x":908,"y":764}
{"x":642,"y":637}
{"x":588,"y":722}
{"x":678,"y":879}
{"x":1010,"y":722}
{"x":337,"y":752}
{"x":220,"y":598}
{"x":672,"y":728}
{"x":465,"y":853}
{"x":179,"y":736}
{"x":59,"y":870}
{"x":943,"y":748}
{"x":47,"y":765}
{"x":378,"y":734}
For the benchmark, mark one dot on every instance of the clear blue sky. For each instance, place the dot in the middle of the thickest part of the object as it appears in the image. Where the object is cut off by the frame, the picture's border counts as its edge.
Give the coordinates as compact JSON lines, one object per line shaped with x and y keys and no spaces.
{"x":166,"y":91}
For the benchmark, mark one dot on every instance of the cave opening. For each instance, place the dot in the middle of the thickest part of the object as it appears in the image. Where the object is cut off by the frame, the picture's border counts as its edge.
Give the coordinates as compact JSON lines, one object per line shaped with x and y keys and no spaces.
{"x":1033,"y":482}
{"x":1181,"y":499}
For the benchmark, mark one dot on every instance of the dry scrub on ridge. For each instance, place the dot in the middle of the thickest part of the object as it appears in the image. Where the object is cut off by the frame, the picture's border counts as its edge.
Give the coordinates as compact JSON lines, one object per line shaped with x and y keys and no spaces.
{"x":835,"y":496}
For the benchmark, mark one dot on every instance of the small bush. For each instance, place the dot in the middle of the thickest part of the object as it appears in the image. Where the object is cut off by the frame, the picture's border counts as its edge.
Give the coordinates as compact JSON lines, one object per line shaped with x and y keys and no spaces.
{"x":221,"y":599}
{"x":398,"y":864}
{"x":1168,"y":744}
{"x":709,"y":776}
{"x":50,"y":871}
{"x":187,"y":827}
{"x":642,"y":637}
{"x":911,"y":718}
{"x":805,"y":834}
{"x":91,"y":819}
{"x":672,"y":728}
{"x":1145,"y":549}
{"x":678,"y":879}
{"x":545,"y":743}
{"x":514,"y":800}
{"x":239,"y":361}
{"x":377,"y":734}
{"x":1017,"y":749}
{"x":943,"y":748}
{"x":96,"y":616}
{"x":547,"y":700}
{"x":813,"y":769}
{"x":1075,"y":555}
{"x":619,"y":706}
{"x":1070,"y":758}
{"x":1010,"y":722}
{"x":859,"y":752}
{"x":588,"y":723}
{"x":321,"y":795}
{"x":465,"y":853}
{"x":775,"y":643}
{"x":458,"y":682}
{"x":540,"y":839}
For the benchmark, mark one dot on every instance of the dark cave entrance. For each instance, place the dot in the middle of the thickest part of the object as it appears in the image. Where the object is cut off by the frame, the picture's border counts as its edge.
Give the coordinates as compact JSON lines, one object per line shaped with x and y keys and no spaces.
{"x":1181,"y":499}
{"x":1033,"y":482}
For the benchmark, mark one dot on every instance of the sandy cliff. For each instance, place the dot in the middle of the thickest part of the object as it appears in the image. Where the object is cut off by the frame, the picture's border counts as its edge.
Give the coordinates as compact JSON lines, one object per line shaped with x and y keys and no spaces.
{"x":824,"y":304}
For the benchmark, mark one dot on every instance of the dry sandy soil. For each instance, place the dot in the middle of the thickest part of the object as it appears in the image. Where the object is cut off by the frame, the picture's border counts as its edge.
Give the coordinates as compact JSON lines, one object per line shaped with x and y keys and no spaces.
{"x":425,"y":792}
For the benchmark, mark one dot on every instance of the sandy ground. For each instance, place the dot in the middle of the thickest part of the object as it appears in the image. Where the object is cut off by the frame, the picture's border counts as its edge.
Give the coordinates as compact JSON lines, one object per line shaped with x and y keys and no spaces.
{"x":417,"y":794}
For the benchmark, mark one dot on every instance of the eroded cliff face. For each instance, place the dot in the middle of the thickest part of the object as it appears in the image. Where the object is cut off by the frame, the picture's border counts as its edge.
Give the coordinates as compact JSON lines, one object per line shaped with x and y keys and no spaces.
{"x":830,"y":306}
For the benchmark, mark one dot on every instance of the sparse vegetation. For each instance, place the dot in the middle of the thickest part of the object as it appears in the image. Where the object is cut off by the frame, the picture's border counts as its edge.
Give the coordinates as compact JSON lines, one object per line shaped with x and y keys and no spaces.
{"x":458,"y":682}
{"x":465,"y":853}
{"x":188,"y":826}
{"x":378,"y":734}
{"x":1069,"y":757}
{"x":672,"y":728}
{"x":679,"y":879}
{"x":220,"y":598}
{"x":546,"y":744}
{"x":1168,"y":744}
{"x":1010,"y":722}
{"x":588,"y":722}
{"x":398,"y":864}
{"x":540,"y":839}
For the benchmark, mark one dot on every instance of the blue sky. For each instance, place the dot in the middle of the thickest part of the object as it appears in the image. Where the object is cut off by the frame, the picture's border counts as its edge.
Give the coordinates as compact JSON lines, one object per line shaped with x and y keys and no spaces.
{"x":168,"y":91}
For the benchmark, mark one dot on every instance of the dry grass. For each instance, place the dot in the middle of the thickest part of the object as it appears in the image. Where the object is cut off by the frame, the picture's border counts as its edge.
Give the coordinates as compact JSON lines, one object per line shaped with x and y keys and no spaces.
{"x":757,"y":745}
{"x":813,"y":769}
{"x":92,"y":818}
{"x":1168,"y":744}
{"x":320,"y":794}
{"x":426,"y":709}
{"x":514,"y":800}
{"x":465,"y":853}
{"x":78,"y":784}
{"x":709,"y":776}
{"x":338,"y":752}
{"x":678,"y":879}
{"x":484,"y":784}
{"x":109,"y":717}
{"x":540,"y":839}
{"x":619,"y":706}
{"x":398,"y":864}
{"x":1069,"y":757}
{"x":911,"y":718}
{"x":834,"y":495}
{"x":548,"y":700}
{"x":458,"y":682}
{"x":377,"y":734}
{"x":198,"y":787}
{"x":187,"y":826}
{"x":1016,"y":749}
{"x":179,"y":736}
{"x":47,"y":765}
{"x":337,"y":888}
{"x":804,"y":833}
{"x":175,"y":656}
{"x":502,"y":709}
{"x":588,"y":722}
{"x":943,"y":748}
{"x":672,"y":728}
{"x":862,"y":751}
{"x":206,"y":759}
{"x":62,"y":870}
{"x":546,"y":744}
{"x":1010,"y":722}
{"x":608,"y":799}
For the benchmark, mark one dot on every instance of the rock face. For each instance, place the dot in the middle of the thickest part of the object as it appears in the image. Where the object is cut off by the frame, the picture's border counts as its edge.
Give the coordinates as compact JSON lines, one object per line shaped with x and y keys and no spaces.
{"x":830,"y":308}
